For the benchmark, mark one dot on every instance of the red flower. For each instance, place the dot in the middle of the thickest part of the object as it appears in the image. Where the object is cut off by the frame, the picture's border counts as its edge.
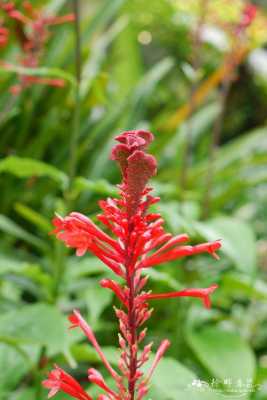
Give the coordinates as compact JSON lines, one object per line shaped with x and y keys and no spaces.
{"x":32,"y":32}
{"x":249,"y":14}
{"x":58,"y":380}
{"x":203,"y":294}
{"x":139,"y":241}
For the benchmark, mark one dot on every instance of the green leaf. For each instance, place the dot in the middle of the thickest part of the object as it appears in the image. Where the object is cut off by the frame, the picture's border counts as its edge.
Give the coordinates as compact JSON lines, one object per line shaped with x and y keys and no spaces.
{"x":34,"y":217}
{"x":28,"y":167}
{"x":39,"y":324}
{"x":238,"y":240}
{"x":97,"y":299}
{"x":172,"y":380}
{"x":84,"y":352}
{"x":106,"y":12}
{"x":224,"y":353}
{"x":13,"y":367}
{"x":242,"y":285}
{"x":164,"y":278}
{"x":99,"y":187}
{"x":10,"y":227}
{"x":41,"y":71}
{"x":92,"y":66}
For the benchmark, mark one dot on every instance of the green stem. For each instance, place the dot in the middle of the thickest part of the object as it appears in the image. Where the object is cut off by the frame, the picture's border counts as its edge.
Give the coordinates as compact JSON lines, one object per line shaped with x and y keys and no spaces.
{"x":77,"y":110}
{"x":59,"y":252}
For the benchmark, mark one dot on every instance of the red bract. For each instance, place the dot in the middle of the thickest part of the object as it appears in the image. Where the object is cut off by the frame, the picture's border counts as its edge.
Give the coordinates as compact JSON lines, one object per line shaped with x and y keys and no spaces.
{"x":137,"y":241}
{"x":32,"y":33}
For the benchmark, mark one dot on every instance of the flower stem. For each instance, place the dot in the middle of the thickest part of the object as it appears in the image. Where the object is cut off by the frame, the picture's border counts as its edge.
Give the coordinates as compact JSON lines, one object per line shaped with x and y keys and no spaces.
{"x":132,"y":325}
{"x":130,"y":274}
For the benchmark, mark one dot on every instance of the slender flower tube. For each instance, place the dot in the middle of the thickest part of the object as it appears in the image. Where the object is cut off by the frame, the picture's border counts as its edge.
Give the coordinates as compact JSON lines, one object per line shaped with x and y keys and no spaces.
{"x":137,"y":241}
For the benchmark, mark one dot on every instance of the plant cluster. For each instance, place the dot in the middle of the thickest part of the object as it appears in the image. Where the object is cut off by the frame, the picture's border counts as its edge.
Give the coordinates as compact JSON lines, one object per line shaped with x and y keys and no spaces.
{"x":141,"y":242}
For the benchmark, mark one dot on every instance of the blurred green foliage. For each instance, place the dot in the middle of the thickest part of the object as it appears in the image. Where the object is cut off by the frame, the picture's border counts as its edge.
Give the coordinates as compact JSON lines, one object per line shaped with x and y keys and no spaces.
{"x":139,"y":68}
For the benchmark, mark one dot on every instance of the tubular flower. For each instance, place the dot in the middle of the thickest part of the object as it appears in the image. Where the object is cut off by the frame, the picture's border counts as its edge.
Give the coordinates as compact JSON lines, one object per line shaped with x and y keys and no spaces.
{"x":137,"y":241}
{"x":60,"y":380}
{"x":32,"y":32}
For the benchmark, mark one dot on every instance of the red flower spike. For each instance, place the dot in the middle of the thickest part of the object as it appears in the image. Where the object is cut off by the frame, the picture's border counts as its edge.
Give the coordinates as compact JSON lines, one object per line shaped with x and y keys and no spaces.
{"x":59,"y":380}
{"x":138,"y":241}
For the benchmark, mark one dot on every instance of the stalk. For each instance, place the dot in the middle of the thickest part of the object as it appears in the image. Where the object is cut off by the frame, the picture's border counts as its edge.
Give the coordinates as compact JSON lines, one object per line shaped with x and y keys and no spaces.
{"x":132,"y":325}
{"x":77,"y":109}
{"x":59,"y":253}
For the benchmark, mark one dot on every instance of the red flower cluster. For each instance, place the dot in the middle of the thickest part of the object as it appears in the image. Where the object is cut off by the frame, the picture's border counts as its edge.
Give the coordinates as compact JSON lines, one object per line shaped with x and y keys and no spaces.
{"x":31,"y":29}
{"x":248,"y":15}
{"x":140,"y":243}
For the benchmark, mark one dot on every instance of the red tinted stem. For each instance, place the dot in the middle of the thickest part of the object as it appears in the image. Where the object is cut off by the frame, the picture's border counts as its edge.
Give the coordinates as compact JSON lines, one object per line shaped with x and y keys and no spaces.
{"x":132,"y":321}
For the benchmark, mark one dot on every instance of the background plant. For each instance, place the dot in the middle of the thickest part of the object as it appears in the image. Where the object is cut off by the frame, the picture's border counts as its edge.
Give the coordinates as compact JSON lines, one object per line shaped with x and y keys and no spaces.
{"x":137,"y":72}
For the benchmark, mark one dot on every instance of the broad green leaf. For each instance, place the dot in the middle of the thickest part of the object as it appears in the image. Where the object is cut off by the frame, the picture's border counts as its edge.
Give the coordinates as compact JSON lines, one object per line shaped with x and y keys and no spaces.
{"x":172,"y":380}
{"x":238,"y":240}
{"x":243,"y":285}
{"x":28,"y":167}
{"x":97,"y":299}
{"x":13,"y":367}
{"x":85,"y":352}
{"x":162,"y":277}
{"x":30,"y":394}
{"x":224,"y":353}
{"x":39,"y":324}
{"x":24,"y":394}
